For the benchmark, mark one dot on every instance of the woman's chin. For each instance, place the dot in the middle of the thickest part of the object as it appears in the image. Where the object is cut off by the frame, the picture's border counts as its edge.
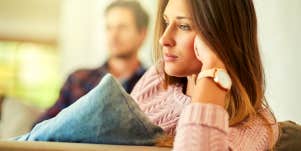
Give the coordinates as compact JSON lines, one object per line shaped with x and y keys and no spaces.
{"x":173,"y":72}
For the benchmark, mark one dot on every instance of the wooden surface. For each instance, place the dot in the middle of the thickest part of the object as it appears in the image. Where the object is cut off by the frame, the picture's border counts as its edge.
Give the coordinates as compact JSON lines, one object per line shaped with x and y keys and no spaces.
{"x":59,"y":146}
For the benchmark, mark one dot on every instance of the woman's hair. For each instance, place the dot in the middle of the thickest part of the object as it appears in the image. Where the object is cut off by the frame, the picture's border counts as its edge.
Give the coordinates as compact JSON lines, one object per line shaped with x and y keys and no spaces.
{"x":229,"y":28}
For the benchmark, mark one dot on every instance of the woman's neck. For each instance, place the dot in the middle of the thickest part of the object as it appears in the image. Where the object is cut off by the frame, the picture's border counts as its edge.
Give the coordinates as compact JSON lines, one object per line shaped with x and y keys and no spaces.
{"x":189,"y":87}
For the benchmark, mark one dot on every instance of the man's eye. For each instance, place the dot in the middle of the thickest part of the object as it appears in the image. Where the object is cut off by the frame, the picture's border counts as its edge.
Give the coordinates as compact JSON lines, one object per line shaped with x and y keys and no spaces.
{"x":184,"y":27}
{"x":166,"y":23}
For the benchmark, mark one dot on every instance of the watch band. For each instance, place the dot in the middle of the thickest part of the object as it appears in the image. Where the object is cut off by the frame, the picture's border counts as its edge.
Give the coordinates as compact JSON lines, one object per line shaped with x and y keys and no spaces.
{"x":215,"y":74}
{"x":207,"y":73}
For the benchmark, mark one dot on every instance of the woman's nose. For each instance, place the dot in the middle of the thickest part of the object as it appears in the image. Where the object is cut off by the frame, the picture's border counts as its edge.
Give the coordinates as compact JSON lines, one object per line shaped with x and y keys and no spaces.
{"x":167,"y":38}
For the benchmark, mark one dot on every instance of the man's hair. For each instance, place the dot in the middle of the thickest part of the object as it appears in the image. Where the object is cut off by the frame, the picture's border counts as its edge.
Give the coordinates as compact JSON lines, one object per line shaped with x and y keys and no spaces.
{"x":139,"y":13}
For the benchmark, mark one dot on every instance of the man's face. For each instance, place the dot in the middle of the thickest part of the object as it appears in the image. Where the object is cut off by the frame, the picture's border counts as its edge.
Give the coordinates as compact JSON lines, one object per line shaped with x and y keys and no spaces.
{"x":123,"y":37}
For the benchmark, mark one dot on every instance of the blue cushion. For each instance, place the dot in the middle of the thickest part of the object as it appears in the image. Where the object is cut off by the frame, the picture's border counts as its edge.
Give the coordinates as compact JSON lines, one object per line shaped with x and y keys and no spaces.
{"x":106,"y":115}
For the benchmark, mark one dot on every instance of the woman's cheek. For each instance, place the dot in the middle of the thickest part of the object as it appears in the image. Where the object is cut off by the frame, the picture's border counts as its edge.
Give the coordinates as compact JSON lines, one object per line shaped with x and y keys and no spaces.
{"x":194,"y":65}
{"x":187,"y":44}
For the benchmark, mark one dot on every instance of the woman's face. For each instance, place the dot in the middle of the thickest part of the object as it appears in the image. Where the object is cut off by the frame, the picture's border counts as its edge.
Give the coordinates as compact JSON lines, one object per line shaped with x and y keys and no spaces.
{"x":177,"y":41}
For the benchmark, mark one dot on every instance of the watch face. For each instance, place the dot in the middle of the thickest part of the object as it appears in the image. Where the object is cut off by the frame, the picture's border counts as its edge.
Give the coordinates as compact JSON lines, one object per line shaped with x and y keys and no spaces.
{"x":223,"y":79}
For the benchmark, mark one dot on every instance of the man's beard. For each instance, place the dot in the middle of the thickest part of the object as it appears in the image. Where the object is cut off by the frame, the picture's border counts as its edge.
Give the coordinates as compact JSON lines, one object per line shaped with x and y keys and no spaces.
{"x":124,"y":56}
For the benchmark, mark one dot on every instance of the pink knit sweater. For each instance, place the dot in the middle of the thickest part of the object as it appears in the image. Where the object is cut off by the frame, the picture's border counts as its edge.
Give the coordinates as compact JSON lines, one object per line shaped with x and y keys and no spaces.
{"x":198,"y":126}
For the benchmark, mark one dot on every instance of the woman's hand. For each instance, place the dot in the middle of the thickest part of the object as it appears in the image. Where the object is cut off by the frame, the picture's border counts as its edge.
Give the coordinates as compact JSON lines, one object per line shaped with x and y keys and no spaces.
{"x":208,"y":58}
{"x":205,"y":90}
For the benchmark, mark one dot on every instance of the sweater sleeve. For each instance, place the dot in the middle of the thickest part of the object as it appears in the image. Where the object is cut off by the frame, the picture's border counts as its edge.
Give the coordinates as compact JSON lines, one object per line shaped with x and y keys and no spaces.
{"x":206,"y":127}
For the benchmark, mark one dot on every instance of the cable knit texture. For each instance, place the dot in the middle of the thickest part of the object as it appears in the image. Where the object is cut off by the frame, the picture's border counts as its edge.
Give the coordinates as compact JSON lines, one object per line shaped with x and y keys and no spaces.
{"x":199,"y":126}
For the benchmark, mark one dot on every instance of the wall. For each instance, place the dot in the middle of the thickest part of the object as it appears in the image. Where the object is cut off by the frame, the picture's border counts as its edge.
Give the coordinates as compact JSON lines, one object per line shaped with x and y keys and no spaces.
{"x":30,"y":20}
{"x":279,"y":31}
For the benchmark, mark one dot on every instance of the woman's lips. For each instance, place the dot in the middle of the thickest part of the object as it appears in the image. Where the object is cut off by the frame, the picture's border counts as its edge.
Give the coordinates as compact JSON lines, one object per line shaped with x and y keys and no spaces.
{"x":170,"y":57}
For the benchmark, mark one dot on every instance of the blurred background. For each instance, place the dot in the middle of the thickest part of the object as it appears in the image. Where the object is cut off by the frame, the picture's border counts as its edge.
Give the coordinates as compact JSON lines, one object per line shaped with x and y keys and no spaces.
{"x":42,"y":41}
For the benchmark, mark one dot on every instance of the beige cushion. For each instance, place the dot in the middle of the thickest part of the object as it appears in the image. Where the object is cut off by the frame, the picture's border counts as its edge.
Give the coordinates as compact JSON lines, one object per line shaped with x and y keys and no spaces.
{"x":17,"y":118}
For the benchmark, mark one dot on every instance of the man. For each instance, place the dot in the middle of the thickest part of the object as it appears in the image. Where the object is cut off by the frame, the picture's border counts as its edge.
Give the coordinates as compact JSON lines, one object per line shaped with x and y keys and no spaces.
{"x":126,"y":27}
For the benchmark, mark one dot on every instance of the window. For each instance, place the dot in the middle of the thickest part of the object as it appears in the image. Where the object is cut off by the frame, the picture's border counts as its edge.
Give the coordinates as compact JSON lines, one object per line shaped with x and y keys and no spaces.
{"x":29,"y":72}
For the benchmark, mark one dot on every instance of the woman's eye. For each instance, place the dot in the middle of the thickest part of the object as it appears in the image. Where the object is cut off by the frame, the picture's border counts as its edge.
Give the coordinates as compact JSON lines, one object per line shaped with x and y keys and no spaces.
{"x":184,"y":27}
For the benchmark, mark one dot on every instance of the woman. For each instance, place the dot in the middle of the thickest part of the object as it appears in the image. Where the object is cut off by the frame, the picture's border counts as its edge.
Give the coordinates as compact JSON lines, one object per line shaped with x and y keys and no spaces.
{"x":208,"y":81}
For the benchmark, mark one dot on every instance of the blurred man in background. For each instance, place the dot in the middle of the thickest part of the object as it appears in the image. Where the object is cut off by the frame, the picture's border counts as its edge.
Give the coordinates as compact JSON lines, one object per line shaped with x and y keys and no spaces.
{"x":126,"y":29}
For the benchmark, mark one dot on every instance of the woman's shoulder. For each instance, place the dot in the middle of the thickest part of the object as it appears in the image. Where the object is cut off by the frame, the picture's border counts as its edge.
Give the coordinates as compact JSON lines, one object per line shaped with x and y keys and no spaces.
{"x":152,"y":75}
{"x":151,"y":80}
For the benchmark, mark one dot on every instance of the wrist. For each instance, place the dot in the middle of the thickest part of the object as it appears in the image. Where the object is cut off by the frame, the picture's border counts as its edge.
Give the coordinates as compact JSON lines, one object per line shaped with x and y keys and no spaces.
{"x":218,"y":76}
{"x":213,"y":64}
{"x":211,"y":92}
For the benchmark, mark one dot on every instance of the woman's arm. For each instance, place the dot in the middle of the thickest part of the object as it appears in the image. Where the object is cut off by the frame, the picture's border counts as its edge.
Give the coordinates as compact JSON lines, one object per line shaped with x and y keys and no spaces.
{"x":202,"y":127}
{"x":204,"y":124}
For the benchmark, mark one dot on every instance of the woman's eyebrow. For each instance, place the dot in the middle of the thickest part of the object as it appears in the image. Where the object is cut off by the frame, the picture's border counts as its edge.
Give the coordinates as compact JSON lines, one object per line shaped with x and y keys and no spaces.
{"x":177,"y":17}
{"x":183,"y":17}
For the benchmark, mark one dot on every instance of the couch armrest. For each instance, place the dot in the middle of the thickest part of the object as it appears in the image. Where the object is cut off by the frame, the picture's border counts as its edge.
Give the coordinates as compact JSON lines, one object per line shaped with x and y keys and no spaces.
{"x":59,"y":146}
